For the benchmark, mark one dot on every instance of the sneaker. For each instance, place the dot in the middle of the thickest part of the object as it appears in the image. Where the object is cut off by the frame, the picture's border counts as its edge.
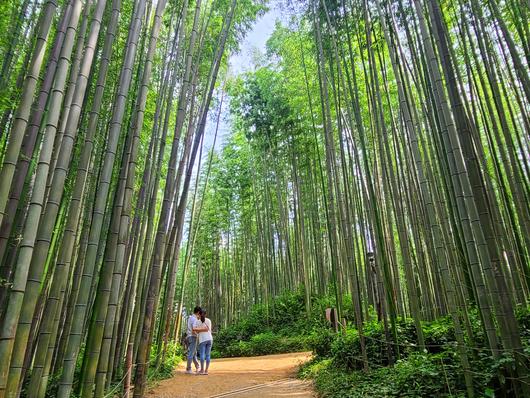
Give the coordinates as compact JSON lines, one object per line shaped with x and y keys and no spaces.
{"x":189,"y":372}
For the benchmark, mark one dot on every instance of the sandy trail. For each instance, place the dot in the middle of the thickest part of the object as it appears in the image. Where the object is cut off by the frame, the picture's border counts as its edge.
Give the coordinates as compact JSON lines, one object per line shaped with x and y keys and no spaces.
{"x":266,"y":376}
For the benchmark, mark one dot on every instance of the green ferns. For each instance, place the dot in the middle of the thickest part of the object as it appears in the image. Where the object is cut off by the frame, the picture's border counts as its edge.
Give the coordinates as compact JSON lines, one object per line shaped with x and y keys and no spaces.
{"x":434,"y":372}
{"x":337,"y":366}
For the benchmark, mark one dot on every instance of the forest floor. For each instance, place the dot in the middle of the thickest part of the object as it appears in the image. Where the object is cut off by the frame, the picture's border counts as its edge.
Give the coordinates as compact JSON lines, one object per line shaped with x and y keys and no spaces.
{"x":266,"y":376}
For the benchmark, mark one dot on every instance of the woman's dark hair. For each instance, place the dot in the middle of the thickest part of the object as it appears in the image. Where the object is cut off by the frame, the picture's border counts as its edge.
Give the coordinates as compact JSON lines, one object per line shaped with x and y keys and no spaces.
{"x":197,"y":310}
{"x":202,"y":314}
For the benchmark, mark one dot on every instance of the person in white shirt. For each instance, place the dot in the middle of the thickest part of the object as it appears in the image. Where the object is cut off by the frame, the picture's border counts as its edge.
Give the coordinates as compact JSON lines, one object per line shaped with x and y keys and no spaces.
{"x":204,"y":328}
{"x":191,"y":339}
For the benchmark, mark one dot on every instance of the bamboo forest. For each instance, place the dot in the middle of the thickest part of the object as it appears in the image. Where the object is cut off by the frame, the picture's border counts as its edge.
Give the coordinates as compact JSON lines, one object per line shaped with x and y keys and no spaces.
{"x":359,"y":190}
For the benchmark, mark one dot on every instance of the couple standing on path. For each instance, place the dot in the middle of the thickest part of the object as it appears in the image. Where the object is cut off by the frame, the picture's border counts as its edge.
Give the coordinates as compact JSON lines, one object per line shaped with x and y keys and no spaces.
{"x":199,"y":334}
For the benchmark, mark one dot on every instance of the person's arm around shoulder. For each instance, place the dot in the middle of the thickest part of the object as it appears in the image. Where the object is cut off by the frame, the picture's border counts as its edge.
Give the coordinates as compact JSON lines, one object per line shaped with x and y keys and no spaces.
{"x":198,"y":326}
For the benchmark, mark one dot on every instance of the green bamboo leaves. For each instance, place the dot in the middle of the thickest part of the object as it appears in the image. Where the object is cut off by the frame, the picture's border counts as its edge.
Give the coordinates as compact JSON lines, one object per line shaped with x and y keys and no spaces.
{"x":79,"y":280}
{"x":404,"y":188}
{"x":377,"y":154}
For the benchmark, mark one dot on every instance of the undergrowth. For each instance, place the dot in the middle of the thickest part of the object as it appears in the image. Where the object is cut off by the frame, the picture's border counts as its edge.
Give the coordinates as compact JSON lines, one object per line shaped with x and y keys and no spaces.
{"x":283,"y":326}
{"x":162,"y":367}
{"x":436,"y":371}
{"x":337,"y":368}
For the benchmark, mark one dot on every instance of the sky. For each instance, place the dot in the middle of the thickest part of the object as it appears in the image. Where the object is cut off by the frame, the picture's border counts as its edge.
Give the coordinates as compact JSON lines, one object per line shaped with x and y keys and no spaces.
{"x":255,"y":40}
{"x":241,"y":62}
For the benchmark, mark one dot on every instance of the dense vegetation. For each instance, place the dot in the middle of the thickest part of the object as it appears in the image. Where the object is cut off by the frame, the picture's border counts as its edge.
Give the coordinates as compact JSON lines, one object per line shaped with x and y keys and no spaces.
{"x":259,"y":333}
{"x":337,"y":367}
{"x":378,"y":155}
{"x":379,"y":151}
{"x":337,"y":364}
{"x":103,"y":108}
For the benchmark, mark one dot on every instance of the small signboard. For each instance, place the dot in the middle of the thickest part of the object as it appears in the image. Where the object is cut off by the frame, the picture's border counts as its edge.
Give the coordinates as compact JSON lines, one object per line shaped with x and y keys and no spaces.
{"x":332,"y":318}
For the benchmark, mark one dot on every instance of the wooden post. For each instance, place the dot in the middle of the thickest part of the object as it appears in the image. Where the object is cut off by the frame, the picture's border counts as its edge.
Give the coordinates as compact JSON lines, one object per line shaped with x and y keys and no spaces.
{"x":376,"y":285}
{"x":332,"y":317}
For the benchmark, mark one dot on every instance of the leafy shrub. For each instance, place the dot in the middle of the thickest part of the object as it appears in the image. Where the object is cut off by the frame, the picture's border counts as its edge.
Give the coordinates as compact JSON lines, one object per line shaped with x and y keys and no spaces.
{"x":293,"y":344}
{"x":438,"y":333}
{"x":237,"y":349}
{"x":419,"y":375}
{"x":320,"y":341}
{"x":262,"y":344}
{"x":434,"y":372}
{"x":312,"y":368}
{"x":523,"y":317}
{"x":346,"y":351}
{"x":265,"y":343}
{"x":173,"y":356}
{"x":282,"y":326}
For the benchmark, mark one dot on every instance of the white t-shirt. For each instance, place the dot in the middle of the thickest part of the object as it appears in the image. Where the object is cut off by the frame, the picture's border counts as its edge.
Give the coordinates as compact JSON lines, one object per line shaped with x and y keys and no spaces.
{"x":205,"y":336}
{"x":192,"y":323}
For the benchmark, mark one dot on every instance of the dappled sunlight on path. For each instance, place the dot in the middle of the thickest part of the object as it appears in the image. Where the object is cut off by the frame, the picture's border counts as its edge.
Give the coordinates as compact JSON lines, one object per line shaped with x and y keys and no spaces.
{"x":266,"y":376}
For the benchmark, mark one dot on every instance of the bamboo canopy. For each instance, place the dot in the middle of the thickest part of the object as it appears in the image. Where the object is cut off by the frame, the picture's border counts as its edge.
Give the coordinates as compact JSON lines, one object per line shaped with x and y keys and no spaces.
{"x":378,"y":152}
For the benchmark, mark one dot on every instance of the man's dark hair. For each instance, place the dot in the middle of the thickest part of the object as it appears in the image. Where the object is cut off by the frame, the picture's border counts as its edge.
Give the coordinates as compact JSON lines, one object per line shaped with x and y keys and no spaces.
{"x":196,"y":310}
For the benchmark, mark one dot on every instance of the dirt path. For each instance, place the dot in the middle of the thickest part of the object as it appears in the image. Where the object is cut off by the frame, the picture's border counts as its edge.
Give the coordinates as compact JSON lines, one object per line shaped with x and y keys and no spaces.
{"x":266,"y":376}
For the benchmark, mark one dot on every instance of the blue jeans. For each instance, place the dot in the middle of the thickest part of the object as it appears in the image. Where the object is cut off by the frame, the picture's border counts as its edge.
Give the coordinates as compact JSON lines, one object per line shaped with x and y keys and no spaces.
{"x":192,"y":352}
{"x":205,"y":348}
